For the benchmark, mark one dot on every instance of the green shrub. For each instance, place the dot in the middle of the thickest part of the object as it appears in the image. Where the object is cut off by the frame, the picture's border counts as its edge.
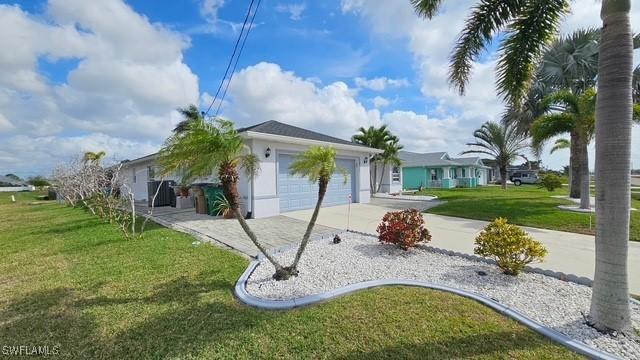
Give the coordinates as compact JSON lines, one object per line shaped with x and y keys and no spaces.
{"x":510,"y":246}
{"x":403,"y":228}
{"x":551,"y":182}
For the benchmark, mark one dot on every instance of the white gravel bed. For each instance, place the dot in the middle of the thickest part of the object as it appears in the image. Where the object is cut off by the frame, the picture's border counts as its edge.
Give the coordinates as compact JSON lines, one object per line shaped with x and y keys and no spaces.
{"x":326,"y":266}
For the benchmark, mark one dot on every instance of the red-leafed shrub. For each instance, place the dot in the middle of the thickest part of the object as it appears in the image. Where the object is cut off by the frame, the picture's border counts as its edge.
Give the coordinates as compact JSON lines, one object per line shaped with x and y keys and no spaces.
{"x":403,"y":228}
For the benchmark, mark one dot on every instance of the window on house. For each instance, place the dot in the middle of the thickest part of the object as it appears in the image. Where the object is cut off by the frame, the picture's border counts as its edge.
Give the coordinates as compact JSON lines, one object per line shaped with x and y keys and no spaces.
{"x":453,"y":173}
{"x":434,"y":175}
{"x":464,"y":173}
{"x":395,"y":174}
{"x":152,"y":173}
{"x":134,"y":175}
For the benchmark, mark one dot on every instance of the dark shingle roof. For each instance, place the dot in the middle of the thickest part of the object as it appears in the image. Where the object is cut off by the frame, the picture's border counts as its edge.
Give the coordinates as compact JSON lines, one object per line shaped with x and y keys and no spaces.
{"x":11,"y":181}
{"x":277,"y":128}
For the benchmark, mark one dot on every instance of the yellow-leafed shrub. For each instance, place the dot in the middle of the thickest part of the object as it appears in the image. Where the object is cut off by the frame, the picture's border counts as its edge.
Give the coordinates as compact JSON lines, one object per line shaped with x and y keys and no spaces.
{"x":510,"y":246}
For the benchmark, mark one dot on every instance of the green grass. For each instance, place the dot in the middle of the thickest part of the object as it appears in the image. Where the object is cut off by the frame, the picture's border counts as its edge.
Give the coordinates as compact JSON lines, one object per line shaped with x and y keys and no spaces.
{"x":69,"y":280}
{"x":525,"y":205}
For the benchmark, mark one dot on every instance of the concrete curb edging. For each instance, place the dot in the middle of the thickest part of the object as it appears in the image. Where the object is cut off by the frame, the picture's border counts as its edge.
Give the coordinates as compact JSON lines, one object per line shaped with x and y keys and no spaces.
{"x":268,"y":304}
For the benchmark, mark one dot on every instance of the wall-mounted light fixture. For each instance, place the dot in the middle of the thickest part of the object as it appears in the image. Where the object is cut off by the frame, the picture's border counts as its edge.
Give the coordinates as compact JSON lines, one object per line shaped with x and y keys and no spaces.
{"x":365,"y":160}
{"x":267,"y":152}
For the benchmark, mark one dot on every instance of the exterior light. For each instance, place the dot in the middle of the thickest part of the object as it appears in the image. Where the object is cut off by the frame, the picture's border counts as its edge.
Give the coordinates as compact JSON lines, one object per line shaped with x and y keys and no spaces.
{"x":267,"y":152}
{"x":365,"y":160}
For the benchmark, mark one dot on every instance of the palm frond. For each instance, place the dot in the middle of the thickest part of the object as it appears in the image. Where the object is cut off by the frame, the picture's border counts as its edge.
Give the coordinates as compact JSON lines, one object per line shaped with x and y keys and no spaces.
{"x":565,"y":98}
{"x":551,"y":125}
{"x":560,"y":144}
{"x":316,"y":163}
{"x":426,"y":8}
{"x":532,"y":29}
{"x":487,"y":18}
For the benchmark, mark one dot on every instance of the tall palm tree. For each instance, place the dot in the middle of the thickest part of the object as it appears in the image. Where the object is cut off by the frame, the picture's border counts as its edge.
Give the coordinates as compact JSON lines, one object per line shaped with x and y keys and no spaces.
{"x":93,"y":157}
{"x":566,"y":112}
{"x":317,"y":164}
{"x":530,"y":25}
{"x":502,"y":142}
{"x":377,"y":138}
{"x":198,"y":148}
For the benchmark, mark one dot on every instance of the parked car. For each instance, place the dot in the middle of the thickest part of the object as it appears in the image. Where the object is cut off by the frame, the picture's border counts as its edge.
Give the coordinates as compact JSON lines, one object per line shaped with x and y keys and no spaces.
{"x":520,"y":178}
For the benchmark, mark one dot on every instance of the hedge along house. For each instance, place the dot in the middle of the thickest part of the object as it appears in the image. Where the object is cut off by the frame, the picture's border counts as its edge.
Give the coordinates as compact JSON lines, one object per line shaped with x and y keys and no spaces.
{"x":439,"y":170}
{"x":273,"y":190}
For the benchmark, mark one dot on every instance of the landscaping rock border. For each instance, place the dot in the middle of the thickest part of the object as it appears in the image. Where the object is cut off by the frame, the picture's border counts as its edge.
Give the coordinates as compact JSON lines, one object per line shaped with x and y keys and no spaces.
{"x":273,"y":304}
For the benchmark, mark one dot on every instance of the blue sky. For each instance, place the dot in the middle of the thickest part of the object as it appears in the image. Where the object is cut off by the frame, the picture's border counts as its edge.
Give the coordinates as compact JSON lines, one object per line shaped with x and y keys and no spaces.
{"x":109,"y":75}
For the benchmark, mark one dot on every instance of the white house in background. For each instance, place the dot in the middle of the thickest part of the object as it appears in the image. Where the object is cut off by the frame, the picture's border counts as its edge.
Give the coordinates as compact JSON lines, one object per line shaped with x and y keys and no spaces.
{"x":273,"y":190}
{"x":8,"y":184}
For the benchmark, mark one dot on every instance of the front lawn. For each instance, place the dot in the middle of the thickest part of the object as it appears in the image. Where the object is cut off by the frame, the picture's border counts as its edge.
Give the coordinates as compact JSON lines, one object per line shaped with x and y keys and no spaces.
{"x":525,"y":205}
{"x":69,"y":280}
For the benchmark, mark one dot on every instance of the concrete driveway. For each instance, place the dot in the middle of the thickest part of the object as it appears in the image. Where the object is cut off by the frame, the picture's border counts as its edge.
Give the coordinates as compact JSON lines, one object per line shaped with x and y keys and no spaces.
{"x":568,"y":252}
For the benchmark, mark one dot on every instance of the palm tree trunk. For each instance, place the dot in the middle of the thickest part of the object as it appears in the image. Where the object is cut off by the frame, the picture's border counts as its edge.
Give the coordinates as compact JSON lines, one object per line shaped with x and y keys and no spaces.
{"x":610,"y":299}
{"x":228,"y":175}
{"x":322,"y":190}
{"x":384,"y":168}
{"x":503,"y":176}
{"x":583,"y":165}
{"x":574,"y":166}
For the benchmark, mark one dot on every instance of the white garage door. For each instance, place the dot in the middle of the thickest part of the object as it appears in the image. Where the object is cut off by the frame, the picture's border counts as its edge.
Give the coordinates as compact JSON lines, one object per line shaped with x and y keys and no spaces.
{"x":297,"y":193}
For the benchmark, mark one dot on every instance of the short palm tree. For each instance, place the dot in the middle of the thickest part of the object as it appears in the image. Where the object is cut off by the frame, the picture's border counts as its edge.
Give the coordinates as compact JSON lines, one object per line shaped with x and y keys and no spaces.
{"x":93,"y":157}
{"x":198,"y":148}
{"x":390,"y":157}
{"x":377,"y":138}
{"x":502,"y":142}
{"x":566,"y":112}
{"x":529,"y":26}
{"x":317,"y":164}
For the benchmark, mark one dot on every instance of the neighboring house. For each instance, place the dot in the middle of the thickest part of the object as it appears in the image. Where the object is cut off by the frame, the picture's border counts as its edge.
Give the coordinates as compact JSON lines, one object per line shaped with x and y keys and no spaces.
{"x":439,"y":170}
{"x":274,"y":190}
{"x":8,"y":184}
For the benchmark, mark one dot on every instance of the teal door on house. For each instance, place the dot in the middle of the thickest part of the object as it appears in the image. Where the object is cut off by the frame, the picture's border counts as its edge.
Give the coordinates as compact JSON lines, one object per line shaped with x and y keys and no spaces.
{"x":297,"y":193}
{"x":414,"y":177}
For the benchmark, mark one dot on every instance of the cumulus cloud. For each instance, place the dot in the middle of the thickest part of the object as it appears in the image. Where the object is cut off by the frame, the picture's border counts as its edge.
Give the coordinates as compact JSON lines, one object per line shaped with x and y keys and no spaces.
{"x":265,"y":91}
{"x":117,"y":87}
{"x":379,"y":102}
{"x":380,"y":83}
{"x":294,"y":10}
{"x":431,"y":42}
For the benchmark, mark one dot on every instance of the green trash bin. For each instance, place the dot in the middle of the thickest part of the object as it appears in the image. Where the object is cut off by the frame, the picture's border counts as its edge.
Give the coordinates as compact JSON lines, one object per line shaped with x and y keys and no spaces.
{"x":213,"y":194}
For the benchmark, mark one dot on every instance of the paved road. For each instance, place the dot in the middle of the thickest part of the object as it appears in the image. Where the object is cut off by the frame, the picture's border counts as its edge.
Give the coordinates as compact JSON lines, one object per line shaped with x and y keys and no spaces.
{"x":568,"y":252}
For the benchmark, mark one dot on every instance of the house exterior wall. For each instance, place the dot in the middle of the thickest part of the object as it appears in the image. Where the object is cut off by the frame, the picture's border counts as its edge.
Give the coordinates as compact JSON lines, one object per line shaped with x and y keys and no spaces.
{"x":265,"y":187}
{"x":388,"y":184}
{"x":447,"y":177}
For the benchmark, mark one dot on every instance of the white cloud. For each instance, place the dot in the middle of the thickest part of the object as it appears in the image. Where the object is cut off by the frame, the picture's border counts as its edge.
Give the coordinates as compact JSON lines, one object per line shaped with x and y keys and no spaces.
{"x":267,"y":92}
{"x":127,"y":78}
{"x":380,"y":83}
{"x":209,"y":9}
{"x":431,"y":42}
{"x":294,"y":10}
{"x":379,"y":102}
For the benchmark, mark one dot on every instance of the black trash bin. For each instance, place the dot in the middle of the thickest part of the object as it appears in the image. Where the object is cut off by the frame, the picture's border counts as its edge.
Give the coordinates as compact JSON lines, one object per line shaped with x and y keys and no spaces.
{"x":165,"y":195}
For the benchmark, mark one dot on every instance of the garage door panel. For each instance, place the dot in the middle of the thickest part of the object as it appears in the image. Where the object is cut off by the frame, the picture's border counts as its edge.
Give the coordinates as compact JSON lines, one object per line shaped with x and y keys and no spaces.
{"x":297,"y":193}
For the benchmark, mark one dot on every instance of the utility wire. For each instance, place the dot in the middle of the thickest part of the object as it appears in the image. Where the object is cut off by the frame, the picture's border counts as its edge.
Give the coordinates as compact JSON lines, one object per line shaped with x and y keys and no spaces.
{"x":235,"y":48}
{"x":224,"y":94}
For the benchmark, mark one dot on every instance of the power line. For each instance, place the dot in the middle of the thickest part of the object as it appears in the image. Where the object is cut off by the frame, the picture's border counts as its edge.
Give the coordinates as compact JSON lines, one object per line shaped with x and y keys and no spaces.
{"x":235,"y":48}
{"x":224,"y":94}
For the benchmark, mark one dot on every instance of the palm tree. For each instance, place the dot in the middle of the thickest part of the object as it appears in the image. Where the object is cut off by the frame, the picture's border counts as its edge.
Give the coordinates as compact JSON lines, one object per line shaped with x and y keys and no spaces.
{"x":390,"y":156}
{"x":502,"y":142}
{"x":529,"y":26}
{"x":566,"y":112}
{"x":377,"y":138}
{"x":199,"y":147}
{"x":317,"y":164}
{"x":189,"y":114}
{"x":93,"y":157}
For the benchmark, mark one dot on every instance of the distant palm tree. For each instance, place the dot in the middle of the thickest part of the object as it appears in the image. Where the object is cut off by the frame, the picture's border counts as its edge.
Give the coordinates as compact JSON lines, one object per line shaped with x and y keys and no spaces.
{"x":378,"y":138}
{"x":566,"y":112}
{"x":198,"y":147}
{"x":528,"y":26}
{"x":317,"y":164}
{"x":502,"y":142}
{"x":93,"y":157}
